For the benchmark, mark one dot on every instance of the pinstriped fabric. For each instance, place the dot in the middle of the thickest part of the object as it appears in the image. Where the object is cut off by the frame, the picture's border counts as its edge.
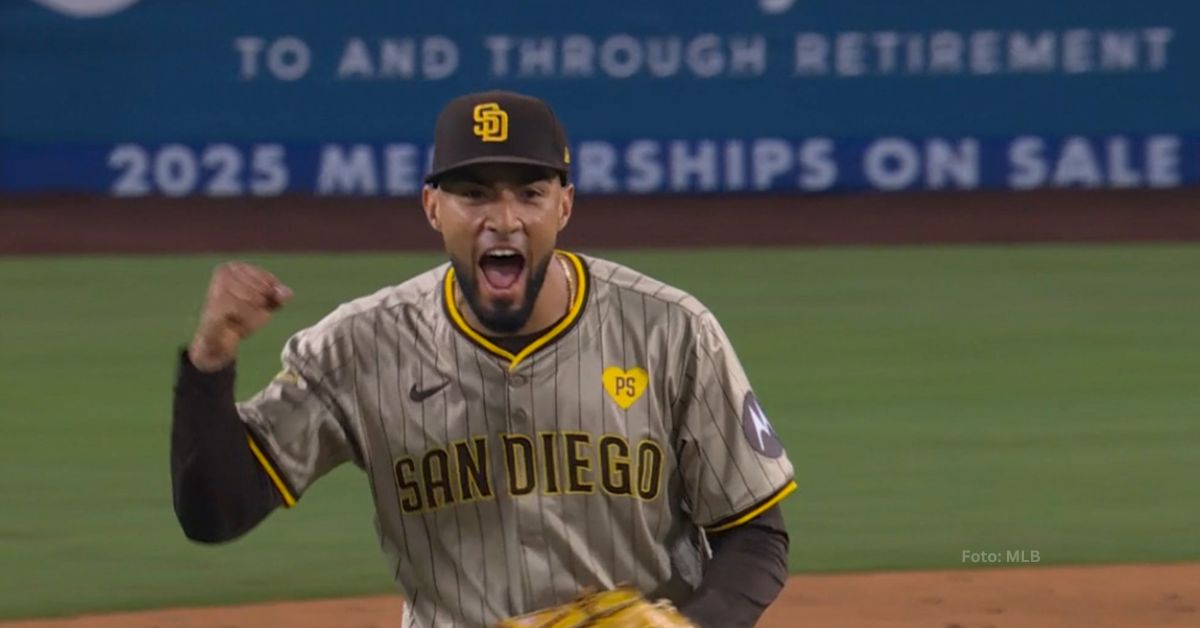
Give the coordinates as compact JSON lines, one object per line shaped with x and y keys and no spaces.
{"x":503,"y":487}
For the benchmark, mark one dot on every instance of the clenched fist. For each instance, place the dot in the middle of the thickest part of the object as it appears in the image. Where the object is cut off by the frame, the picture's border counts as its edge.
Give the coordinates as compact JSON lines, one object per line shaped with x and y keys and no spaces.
{"x":241,"y":299}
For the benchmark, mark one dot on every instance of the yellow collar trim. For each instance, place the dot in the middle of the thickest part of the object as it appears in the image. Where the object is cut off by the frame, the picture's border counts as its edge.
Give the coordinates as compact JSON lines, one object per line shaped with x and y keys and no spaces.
{"x":543,"y":340}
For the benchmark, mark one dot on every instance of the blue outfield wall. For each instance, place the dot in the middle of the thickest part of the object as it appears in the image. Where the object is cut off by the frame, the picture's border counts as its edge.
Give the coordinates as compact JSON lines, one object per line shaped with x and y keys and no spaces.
{"x":257,"y":98}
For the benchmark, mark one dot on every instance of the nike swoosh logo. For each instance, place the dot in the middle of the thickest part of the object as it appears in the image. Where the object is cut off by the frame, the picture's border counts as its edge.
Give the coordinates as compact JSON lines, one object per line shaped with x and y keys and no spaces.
{"x":421,"y":395}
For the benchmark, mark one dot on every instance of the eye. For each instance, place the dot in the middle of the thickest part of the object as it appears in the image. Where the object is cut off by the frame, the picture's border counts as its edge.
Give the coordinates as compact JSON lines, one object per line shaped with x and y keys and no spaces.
{"x":472,"y":193}
{"x":532,"y":193}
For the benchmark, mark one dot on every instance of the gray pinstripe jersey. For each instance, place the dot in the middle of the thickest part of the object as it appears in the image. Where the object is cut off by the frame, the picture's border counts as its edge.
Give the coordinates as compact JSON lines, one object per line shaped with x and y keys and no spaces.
{"x":507,"y":483}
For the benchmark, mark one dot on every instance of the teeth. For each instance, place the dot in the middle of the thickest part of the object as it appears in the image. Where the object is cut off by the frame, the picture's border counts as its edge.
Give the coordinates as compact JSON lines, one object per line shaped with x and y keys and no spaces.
{"x":502,"y":253}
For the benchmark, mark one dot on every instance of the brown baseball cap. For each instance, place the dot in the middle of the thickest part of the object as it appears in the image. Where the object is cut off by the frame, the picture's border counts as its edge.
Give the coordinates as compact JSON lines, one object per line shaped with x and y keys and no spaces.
{"x":498,"y":127}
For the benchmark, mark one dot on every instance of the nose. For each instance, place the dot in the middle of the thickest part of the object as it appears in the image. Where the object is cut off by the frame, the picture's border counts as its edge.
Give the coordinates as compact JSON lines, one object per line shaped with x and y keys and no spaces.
{"x":503,"y":217}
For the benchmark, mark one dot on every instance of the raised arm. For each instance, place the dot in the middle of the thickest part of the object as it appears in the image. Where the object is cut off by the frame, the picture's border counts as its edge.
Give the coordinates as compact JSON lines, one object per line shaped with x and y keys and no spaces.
{"x":221,"y":490}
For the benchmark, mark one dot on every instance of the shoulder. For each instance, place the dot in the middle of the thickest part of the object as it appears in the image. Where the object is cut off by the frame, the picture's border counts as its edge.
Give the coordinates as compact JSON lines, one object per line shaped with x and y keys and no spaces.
{"x":612,"y":280}
{"x":691,"y":323}
{"x":330,"y":338}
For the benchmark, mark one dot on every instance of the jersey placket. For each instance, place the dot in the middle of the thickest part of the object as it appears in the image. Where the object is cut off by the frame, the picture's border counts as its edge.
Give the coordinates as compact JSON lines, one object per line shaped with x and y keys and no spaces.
{"x":530,"y":541}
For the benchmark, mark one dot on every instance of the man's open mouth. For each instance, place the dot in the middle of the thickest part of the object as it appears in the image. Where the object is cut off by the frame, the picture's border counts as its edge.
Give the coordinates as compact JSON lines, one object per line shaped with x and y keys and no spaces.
{"x":502,"y":269}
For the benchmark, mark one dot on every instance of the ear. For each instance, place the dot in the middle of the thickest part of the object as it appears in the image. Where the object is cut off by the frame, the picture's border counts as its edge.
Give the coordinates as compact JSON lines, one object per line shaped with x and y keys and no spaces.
{"x":567,"y":206}
{"x":429,"y":200}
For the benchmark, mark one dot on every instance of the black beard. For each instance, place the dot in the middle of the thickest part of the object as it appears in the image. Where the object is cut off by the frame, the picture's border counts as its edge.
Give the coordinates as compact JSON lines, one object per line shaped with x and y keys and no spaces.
{"x":503,"y":318}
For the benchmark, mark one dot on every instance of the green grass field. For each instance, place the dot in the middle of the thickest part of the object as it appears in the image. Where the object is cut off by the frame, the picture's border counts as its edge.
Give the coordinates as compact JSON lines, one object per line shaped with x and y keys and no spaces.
{"x":933,"y":400}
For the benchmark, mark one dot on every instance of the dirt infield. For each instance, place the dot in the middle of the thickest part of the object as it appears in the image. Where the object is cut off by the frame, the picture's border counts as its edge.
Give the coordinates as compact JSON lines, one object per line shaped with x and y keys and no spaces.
{"x":103,"y":225}
{"x":1027,"y":597}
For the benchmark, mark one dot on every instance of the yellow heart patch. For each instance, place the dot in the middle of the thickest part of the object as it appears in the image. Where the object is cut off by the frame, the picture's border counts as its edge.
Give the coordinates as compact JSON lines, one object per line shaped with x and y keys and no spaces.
{"x":625,"y":387}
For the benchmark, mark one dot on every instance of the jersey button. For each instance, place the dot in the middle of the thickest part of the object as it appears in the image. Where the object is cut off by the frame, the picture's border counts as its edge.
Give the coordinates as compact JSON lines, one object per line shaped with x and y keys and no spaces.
{"x":516,"y":380}
{"x":519,"y":414}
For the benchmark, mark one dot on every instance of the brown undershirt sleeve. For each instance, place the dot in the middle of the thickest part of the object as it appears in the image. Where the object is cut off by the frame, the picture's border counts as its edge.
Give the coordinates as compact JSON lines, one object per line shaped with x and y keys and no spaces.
{"x":748,"y":570}
{"x":220,"y":490}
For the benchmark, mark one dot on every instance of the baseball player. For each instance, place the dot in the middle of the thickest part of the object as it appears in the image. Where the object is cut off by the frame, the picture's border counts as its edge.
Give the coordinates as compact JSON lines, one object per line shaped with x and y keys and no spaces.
{"x":533,"y":423}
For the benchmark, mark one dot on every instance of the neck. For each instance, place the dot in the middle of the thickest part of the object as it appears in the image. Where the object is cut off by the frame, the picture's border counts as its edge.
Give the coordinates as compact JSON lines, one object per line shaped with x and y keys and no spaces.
{"x":553,"y":300}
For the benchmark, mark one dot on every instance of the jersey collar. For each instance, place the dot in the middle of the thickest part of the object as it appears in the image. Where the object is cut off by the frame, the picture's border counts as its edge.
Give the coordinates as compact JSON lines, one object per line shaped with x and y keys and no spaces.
{"x":551,"y":335}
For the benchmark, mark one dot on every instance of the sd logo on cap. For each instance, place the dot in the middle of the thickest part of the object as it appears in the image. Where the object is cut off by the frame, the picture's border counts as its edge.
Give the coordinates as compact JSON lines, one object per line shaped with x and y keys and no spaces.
{"x":491,"y":122}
